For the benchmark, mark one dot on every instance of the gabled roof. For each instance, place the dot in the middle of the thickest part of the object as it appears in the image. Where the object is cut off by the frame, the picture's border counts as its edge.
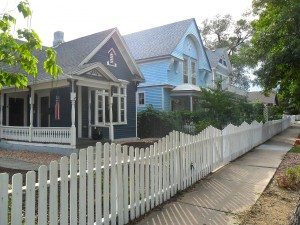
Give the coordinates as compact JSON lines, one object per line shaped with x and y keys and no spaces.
{"x":215,"y":55}
{"x":71,"y":54}
{"x":258,"y":96}
{"x":158,"y":41}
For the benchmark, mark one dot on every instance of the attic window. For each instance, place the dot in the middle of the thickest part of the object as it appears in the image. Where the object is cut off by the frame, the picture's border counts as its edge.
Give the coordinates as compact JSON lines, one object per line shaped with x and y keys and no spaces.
{"x":224,"y":63}
{"x":221,"y":61}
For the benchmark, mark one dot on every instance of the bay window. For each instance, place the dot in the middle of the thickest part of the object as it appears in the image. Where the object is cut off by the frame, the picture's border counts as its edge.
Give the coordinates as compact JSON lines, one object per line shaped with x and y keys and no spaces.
{"x":118,"y":106}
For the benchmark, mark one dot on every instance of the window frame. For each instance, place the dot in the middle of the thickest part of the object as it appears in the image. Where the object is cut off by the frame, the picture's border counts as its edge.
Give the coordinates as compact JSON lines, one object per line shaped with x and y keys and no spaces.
{"x":138,"y":98}
{"x":103,"y":93}
{"x":193,"y":75}
{"x":185,"y":75}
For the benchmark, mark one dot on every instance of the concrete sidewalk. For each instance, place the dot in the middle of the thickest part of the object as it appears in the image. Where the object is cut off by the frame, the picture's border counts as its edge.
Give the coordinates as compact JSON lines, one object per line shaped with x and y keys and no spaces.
{"x":231,"y":190}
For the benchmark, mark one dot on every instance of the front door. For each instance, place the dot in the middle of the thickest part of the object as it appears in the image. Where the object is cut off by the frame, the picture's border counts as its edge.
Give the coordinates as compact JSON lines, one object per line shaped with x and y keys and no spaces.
{"x":45,"y":111}
{"x":16,"y":112}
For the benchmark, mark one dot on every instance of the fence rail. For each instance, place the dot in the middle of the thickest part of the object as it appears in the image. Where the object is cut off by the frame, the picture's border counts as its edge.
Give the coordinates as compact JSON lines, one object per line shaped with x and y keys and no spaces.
{"x":114,"y":184}
{"x":59,"y":135}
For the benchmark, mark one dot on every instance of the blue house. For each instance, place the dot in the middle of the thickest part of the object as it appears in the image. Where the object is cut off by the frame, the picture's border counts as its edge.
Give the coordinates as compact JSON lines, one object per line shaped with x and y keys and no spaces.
{"x":97,"y":91}
{"x":174,"y":63}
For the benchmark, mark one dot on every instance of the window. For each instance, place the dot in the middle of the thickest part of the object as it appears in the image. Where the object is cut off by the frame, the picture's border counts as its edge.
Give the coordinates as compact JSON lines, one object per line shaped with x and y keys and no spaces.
{"x":141,"y":98}
{"x":224,"y":63}
{"x":118,"y":106}
{"x":193,"y":67}
{"x":221,"y":61}
{"x":185,"y":71}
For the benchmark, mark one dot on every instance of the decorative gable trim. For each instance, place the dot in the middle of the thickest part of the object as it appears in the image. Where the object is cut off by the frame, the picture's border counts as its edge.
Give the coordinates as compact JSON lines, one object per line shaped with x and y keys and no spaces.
{"x":88,"y":58}
{"x":131,"y":63}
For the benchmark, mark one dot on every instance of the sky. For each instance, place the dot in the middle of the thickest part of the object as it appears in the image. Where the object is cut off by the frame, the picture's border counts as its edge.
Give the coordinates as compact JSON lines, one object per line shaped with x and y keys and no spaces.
{"x":77,"y":18}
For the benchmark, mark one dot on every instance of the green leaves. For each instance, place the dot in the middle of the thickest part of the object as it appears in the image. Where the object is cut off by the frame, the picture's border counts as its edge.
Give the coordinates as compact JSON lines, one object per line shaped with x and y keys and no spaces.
{"x":24,"y":8}
{"x":19,"y":57}
{"x":276,"y":46}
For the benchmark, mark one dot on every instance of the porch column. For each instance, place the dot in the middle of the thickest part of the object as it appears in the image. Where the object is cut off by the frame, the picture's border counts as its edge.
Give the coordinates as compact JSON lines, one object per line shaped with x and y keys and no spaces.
{"x":111,"y":127}
{"x":73,"y":128}
{"x":90,"y":113}
{"x":31,"y":102}
{"x":191,"y":103}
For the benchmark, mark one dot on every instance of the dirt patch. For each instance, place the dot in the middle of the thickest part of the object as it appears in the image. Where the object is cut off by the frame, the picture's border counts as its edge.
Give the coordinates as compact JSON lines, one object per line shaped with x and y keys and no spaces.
{"x":31,"y":157}
{"x":276,"y":205}
{"x":142,"y":143}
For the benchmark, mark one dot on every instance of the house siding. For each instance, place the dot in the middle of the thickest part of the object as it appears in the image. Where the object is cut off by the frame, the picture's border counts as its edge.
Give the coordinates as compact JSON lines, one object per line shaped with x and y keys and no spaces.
{"x":121,"y":71}
{"x":167,"y":99}
{"x":153,"y":96}
{"x":155,"y":72}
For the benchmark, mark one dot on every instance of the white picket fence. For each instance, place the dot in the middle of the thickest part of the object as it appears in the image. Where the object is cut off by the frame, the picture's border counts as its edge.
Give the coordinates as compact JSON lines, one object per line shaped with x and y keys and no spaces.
{"x":114,"y":184}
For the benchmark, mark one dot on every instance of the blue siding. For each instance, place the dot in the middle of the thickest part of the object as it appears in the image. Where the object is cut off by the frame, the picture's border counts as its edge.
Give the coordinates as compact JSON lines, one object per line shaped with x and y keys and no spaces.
{"x":155,"y":72}
{"x":122,"y":72}
{"x":167,"y":99}
{"x":153,"y":96}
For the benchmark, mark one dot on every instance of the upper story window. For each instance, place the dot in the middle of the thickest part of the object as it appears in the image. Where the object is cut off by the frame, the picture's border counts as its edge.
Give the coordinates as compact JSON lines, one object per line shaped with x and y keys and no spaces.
{"x":141,"y":98}
{"x":222,"y":62}
{"x":185,"y":71}
{"x":118,"y":106}
{"x":193,"y":72}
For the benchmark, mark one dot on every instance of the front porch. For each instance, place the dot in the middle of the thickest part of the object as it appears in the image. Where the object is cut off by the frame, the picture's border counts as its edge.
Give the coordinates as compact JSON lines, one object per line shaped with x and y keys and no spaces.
{"x":59,"y":113}
{"x":183,"y":97}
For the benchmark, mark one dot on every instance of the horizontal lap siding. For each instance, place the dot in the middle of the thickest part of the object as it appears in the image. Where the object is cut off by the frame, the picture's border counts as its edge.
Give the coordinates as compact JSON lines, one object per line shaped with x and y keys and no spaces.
{"x":153,"y":96}
{"x":167,"y":100}
{"x":155,"y":72}
{"x":121,"y":71}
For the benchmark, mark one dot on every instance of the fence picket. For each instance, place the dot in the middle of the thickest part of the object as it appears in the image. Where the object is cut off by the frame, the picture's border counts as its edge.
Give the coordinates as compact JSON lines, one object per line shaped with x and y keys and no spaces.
{"x":156,"y":174}
{"x":106,"y":184}
{"x":142,"y":180}
{"x":42,"y":200}
{"x":152,"y":176}
{"x":113,"y":184}
{"x":82,"y":186}
{"x":30,"y":198}
{"x":125,"y":183}
{"x":131,"y":182}
{"x":3,"y":198}
{"x":53,"y":201}
{"x":73,"y":188}
{"x":137,"y":182}
{"x":64,"y":195}
{"x":120,"y":186}
{"x":147,"y":179}
{"x":98,"y":191}
{"x":16,"y":200}
{"x":90,"y":191}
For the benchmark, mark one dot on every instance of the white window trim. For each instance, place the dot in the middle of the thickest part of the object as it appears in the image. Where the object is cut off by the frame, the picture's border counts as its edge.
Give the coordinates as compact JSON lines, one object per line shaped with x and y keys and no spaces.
{"x":138,"y":99}
{"x":104,"y":94}
{"x":196,"y":69}
{"x":16,"y":95}
{"x":188,"y":71}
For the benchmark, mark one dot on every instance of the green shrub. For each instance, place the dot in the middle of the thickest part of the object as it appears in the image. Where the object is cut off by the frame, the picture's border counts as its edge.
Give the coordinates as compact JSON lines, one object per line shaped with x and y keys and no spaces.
{"x":291,"y":178}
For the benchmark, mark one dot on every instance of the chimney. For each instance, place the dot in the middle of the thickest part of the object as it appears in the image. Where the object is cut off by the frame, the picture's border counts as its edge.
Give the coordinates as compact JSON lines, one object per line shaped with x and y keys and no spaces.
{"x":58,"y":38}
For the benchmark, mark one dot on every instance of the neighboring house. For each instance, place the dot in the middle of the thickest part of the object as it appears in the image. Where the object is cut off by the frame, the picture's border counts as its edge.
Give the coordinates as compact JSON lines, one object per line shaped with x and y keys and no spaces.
{"x":222,"y":70}
{"x":97,"y":89}
{"x":173,"y":60}
{"x":257,"y":96}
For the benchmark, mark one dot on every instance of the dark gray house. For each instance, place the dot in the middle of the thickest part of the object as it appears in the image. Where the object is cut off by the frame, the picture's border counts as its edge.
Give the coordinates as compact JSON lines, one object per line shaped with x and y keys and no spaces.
{"x":96,"y":90}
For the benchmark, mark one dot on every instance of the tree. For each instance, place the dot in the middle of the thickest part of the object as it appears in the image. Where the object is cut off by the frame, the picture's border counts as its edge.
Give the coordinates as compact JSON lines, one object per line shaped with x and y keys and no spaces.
{"x":224,"y":32}
{"x":17,"y":55}
{"x":275,"y":46}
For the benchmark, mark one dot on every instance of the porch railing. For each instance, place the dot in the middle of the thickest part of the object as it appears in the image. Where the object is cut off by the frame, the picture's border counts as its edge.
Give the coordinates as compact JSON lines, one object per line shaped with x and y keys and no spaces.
{"x":58,"y":135}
